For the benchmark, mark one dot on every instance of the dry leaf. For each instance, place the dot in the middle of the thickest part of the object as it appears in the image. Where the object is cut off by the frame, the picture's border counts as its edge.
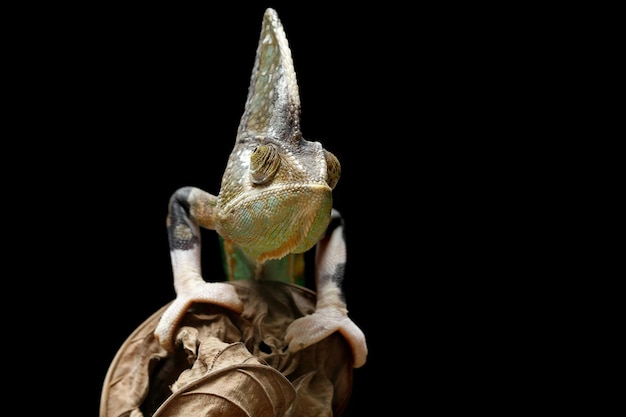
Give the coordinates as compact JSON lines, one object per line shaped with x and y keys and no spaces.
{"x":231,"y":365}
{"x":229,"y":382}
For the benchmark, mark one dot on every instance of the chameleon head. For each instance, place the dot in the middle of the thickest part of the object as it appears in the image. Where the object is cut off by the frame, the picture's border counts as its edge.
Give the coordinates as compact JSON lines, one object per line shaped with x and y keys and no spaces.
{"x":276,"y":197}
{"x":275,"y":200}
{"x":276,"y":193}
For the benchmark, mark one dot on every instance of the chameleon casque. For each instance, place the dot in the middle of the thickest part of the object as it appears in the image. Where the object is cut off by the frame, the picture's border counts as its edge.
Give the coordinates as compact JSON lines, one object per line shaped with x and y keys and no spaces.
{"x":274,"y":204}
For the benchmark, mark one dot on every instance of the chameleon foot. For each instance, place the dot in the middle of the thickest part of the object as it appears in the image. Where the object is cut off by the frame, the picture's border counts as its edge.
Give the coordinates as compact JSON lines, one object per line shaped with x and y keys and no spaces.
{"x":217,"y":293}
{"x":308,"y":330}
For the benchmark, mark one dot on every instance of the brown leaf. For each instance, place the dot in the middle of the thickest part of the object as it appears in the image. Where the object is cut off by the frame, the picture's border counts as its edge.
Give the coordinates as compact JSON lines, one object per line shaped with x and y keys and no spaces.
{"x":228,"y":381}
{"x":229,"y":364}
{"x":127,"y":381}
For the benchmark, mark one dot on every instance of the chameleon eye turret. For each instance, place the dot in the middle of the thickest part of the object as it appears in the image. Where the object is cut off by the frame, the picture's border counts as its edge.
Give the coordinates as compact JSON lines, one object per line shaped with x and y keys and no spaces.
{"x":264,"y":162}
{"x":333,"y":169}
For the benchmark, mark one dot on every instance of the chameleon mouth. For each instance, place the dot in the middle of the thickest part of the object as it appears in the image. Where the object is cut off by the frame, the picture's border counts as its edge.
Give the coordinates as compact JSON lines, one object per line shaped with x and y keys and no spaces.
{"x":274,"y":223}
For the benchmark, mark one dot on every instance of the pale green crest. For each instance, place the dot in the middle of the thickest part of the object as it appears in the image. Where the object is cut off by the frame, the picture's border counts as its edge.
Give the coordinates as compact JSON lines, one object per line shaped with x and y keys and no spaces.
{"x":273,"y":104}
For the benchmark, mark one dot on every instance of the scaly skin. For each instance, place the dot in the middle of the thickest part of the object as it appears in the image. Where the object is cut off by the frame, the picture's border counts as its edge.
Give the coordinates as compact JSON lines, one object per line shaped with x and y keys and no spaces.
{"x":275,"y":201}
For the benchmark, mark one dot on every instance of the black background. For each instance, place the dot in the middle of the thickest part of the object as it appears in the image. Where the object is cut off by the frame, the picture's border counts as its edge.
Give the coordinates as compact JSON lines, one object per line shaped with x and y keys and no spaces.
{"x":132,"y":104}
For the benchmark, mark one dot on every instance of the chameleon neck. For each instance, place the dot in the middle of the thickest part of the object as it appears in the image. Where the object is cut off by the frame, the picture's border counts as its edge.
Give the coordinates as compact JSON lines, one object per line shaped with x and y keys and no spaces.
{"x":238,"y":266}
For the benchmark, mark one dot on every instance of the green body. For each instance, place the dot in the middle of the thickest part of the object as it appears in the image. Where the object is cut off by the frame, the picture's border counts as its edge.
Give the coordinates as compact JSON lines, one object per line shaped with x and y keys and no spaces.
{"x":238,"y":267}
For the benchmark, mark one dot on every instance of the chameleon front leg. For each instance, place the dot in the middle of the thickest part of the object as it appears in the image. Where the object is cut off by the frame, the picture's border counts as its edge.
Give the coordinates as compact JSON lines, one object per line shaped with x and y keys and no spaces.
{"x":189,"y":209}
{"x":330,"y":314}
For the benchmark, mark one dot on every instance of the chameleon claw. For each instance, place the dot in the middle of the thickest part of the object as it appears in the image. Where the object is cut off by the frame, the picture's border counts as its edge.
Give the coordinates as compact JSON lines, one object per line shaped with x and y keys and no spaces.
{"x":217,"y":293}
{"x":308,"y":330}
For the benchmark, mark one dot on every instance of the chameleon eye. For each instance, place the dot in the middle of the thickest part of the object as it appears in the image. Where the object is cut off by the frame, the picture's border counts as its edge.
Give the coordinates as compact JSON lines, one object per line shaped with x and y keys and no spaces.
{"x":264,"y":163}
{"x":333,"y":169}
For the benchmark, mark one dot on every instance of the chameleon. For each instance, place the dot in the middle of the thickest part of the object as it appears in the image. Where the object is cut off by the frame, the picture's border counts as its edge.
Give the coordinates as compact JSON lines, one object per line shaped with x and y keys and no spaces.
{"x":274,"y":204}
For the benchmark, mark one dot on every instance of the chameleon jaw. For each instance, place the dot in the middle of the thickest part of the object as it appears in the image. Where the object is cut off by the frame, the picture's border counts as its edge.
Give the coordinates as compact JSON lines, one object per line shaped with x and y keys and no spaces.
{"x":278,"y":221}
